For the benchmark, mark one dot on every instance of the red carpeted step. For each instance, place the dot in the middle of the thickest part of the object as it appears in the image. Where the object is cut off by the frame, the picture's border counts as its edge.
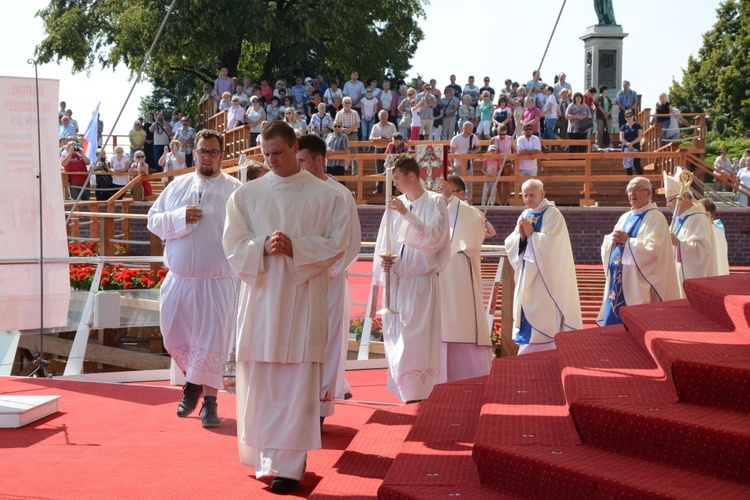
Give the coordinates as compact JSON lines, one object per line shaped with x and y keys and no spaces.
{"x":360,"y":470}
{"x":608,"y":364}
{"x":708,"y":440}
{"x":589,"y":472}
{"x":725,"y":298}
{"x":708,"y":362}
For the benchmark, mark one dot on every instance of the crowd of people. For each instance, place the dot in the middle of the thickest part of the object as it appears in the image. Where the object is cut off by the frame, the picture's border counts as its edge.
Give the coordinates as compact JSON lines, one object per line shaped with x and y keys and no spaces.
{"x":258,"y":270}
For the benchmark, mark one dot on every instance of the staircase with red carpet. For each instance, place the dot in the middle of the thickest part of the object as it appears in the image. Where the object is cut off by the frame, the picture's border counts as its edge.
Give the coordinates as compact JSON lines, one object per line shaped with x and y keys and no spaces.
{"x":658,"y":407}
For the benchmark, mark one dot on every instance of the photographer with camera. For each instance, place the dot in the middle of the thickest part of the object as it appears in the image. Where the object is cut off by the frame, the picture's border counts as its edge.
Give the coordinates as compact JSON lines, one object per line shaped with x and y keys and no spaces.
{"x":103,"y":177}
{"x":75,"y":160}
{"x":162,"y":135}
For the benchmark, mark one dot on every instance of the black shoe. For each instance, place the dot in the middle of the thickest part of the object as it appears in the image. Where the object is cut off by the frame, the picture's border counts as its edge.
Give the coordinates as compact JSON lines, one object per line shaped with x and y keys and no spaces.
{"x":284,"y":485}
{"x":348,"y":395}
{"x":209,"y":418}
{"x":190,"y":395}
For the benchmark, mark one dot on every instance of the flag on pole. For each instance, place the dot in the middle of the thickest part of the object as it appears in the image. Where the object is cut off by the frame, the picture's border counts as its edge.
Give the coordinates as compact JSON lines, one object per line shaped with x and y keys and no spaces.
{"x":89,"y":142}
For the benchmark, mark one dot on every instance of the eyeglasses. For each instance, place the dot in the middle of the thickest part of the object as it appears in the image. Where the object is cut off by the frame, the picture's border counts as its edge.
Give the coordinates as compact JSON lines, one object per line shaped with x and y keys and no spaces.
{"x":670,"y":200}
{"x":505,"y":133}
{"x":213,"y":153}
{"x":139,"y":156}
{"x":337,"y":126}
{"x":635,"y":190}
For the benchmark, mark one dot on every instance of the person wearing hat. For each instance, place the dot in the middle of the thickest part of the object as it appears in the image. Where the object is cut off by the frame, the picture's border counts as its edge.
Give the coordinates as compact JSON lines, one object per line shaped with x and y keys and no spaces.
{"x":637,"y":257}
{"x":692,"y":236}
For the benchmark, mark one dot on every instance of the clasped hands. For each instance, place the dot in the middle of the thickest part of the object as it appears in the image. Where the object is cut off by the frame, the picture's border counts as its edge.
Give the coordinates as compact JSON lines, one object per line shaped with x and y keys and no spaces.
{"x":620,"y":237}
{"x":278,"y":244}
{"x":193,"y":214}
{"x":525,"y":228}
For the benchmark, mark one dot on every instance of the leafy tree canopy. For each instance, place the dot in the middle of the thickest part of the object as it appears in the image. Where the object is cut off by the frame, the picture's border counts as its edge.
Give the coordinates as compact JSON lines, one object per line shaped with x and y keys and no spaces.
{"x":273,"y":38}
{"x":715,"y":82}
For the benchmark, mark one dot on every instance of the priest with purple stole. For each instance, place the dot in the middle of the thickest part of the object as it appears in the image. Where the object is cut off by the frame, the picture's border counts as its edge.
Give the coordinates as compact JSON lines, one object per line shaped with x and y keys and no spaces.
{"x":546,"y":298}
{"x":637,"y":257}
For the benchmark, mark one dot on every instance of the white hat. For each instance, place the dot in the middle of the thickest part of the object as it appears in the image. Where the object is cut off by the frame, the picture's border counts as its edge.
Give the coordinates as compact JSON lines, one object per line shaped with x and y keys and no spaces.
{"x":492,"y":147}
{"x":308,"y":79}
{"x":673,"y":183}
{"x":137,"y":122}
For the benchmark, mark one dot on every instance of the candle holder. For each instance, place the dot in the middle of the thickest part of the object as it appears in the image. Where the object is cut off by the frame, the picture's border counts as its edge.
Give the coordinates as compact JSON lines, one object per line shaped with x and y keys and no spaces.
{"x":386,"y":310}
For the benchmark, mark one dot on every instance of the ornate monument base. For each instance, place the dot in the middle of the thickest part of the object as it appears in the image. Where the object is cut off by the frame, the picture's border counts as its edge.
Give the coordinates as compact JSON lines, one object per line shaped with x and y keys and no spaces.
{"x":603,"y":57}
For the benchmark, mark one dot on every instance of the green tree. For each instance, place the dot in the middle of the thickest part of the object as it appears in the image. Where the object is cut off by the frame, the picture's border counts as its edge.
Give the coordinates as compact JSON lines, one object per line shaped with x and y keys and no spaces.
{"x":274,"y":38}
{"x":715,"y":82}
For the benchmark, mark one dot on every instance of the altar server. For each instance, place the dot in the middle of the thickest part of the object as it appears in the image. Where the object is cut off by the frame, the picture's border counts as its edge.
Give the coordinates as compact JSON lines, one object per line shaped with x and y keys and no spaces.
{"x":546,"y":296}
{"x":466,"y":334}
{"x":692,"y":237}
{"x":420,"y":238}
{"x":637,"y":257}
{"x":283,"y":233}
{"x":720,"y":238}
{"x":199,"y":295}
{"x":311,"y":157}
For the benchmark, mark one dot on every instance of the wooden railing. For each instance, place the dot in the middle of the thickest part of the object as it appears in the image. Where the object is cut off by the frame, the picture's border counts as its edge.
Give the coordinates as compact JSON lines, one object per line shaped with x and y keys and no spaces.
{"x":206,"y":109}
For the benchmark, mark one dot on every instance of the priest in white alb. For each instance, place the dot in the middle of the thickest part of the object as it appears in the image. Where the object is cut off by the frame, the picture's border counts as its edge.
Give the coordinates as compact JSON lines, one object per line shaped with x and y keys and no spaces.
{"x":311,"y":157}
{"x":637,"y":257}
{"x":721,"y":250}
{"x":420,"y":239}
{"x":693,"y":237}
{"x":283,"y":233}
{"x":198,"y":298}
{"x":546,"y":297}
{"x":466,"y":334}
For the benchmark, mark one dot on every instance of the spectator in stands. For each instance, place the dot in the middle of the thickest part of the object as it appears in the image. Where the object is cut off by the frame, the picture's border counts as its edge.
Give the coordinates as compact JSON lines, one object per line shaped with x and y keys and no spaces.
{"x":266,"y":91}
{"x":148,"y":146}
{"x":487,"y":89}
{"x":626,"y":99}
{"x":332,"y":92}
{"x":456,"y":87}
{"x":466,"y":112}
{"x":186,"y":137}
{"x":172,"y":159}
{"x":560,"y":85}
{"x":508,"y":91}
{"x":672,"y":129}
{"x":449,"y":103}
{"x":102,"y":176}
{"x":485,"y":108}
{"x":226,"y":102}
{"x":526,"y":145}
{"x":69,"y":114}
{"x":65,"y":128}
{"x":335,"y":106}
{"x":223,"y":83}
{"x":372,"y":83}
{"x":280,"y":85}
{"x":140,"y":167}
{"x":720,"y":239}
{"x":630,"y":140}
{"x":321,"y":85}
{"x":722,"y":170}
{"x":519,"y":106}
{"x":75,"y":160}
{"x":240,"y":93}
{"x":549,"y":111}
{"x":370,"y":107}
{"x":273,"y":111}
{"x":576,"y":112}
{"x":350,"y":121}
{"x":61,"y":113}
{"x":299,"y":92}
{"x":355,"y":90}
{"x":504,"y":145}
{"x":590,"y":97}
{"x":290,"y":117}
{"x":561,"y":129}
{"x":534,"y":85}
{"x":311,"y":107}
{"x":531,"y":116}
{"x":503,"y":115}
{"x":603,"y":117}
{"x":162,"y":136}
{"x":663,"y":109}
{"x":743,"y":179}
{"x":637,"y":257}
{"x":465,"y":143}
{"x":472,"y":91}
{"x":137,"y":138}
{"x":337,"y":141}
{"x":388,"y":100}
{"x":404,"y":112}
{"x":176,"y":122}
{"x":235,"y":115}
{"x":120,"y":163}
{"x":427,"y":114}
{"x":286,"y":103}
{"x":381,"y":131}
{"x":255,"y":116}
{"x":321,"y":122}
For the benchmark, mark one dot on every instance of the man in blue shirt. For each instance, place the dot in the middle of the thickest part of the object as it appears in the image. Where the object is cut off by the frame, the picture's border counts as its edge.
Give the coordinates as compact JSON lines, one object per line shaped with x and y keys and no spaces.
{"x":626,"y":100}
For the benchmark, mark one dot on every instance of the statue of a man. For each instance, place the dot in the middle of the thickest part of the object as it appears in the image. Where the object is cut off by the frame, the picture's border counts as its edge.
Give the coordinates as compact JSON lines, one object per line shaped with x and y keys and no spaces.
{"x":605,"y":12}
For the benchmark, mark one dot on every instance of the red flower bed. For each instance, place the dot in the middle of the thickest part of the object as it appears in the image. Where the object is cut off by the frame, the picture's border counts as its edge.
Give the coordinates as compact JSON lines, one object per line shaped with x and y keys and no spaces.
{"x":114,"y":278}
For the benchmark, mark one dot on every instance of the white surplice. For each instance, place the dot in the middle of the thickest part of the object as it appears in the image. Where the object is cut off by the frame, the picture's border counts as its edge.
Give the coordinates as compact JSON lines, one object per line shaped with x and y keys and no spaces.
{"x":412,"y":337}
{"x":198,"y":298}
{"x":466,"y":334}
{"x":338,"y":307}
{"x":546,"y":288}
{"x":283,"y":318}
{"x":648,"y":272}
{"x":720,"y":249}
{"x":694,"y":253}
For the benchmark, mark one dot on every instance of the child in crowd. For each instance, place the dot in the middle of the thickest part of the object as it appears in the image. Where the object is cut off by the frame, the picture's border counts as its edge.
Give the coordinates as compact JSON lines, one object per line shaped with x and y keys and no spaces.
{"x":490,"y":168}
{"x":226,"y":101}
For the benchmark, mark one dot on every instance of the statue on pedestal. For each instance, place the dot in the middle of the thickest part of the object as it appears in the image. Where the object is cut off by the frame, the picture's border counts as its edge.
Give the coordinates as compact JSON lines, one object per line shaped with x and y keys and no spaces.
{"x":605,"y":12}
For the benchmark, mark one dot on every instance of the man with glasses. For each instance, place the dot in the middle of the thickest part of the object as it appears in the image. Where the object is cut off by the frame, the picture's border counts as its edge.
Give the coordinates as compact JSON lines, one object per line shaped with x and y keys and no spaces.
{"x":430,"y":102}
{"x":637,"y":257}
{"x":198,"y":297}
{"x":692,"y":236}
{"x":337,"y":141}
{"x":350,"y":122}
{"x":528,"y":144}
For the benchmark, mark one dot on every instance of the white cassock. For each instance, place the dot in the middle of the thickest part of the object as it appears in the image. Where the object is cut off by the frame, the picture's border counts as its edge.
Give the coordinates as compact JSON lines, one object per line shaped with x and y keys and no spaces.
{"x":642,"y":270}
{"x":546,"y":298}
{"x":283,"y":320}
{"x":466,"y":334}
{"x":721,"y":250}
{"x":694,"y":253}
{"x":412,"y":338}
{"x":198,"y":299}
{"x":338,"y":307}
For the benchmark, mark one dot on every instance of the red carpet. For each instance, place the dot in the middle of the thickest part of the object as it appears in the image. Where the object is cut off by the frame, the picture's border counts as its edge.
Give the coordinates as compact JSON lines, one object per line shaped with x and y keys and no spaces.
{"x":125,"y":441}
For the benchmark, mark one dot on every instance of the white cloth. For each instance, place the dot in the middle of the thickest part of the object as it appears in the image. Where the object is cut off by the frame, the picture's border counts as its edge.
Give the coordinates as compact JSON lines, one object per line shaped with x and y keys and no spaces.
{"x":338,"y":306}
{"x":463,"y":316}
{"x":694,"y":253}
{"x":525,"y":165}
{"x":412,"y":337}
{"x":721,"y":249}
{"x":283,"y":320}
{"x":743,"y":176}
{"x":199,"y":295}
{"x":648,"y":273}
{"x":544,"y":273}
